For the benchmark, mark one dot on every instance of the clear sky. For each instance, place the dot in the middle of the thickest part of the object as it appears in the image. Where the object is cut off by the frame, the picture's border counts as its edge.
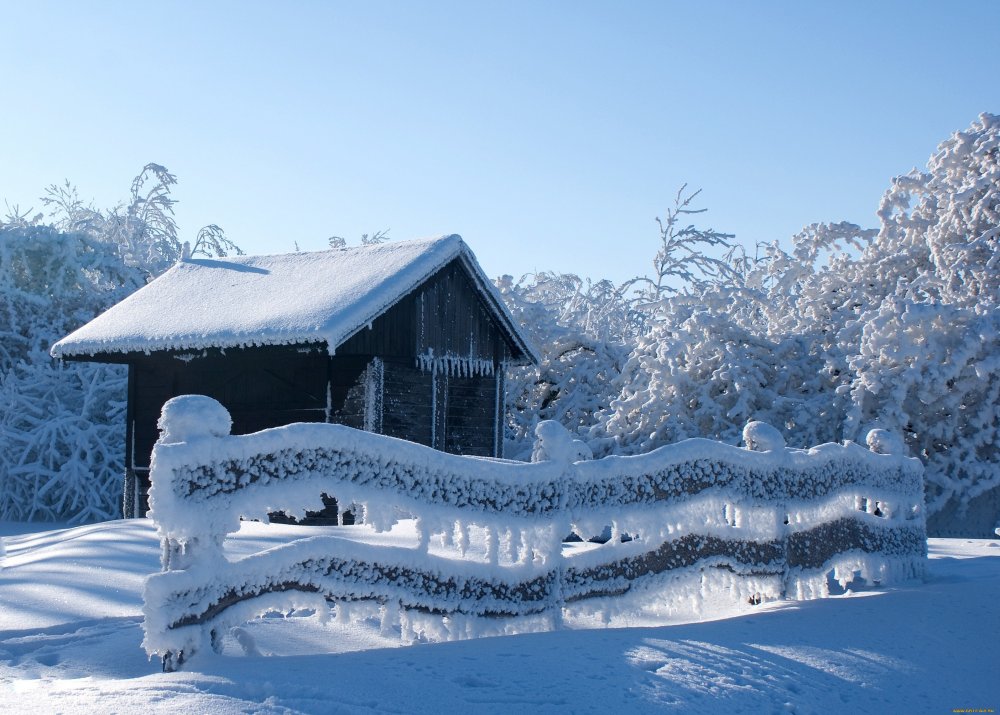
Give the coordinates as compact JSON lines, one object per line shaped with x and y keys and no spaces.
{"x":549,"y":134}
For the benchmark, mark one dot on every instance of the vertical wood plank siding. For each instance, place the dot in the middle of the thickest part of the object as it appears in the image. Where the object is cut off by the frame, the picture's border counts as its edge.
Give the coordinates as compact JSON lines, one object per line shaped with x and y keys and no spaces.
{"x":406,"y":403}
{"x":470,"y":409}
{"x":454,"y":320}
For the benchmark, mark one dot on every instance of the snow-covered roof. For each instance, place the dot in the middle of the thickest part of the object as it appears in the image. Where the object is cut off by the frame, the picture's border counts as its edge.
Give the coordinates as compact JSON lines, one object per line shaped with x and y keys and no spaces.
{"x":287,"y":299}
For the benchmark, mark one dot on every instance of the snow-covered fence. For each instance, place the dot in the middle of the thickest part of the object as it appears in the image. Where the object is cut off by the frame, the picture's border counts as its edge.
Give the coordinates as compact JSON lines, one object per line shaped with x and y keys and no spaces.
{"x":766,"y":524}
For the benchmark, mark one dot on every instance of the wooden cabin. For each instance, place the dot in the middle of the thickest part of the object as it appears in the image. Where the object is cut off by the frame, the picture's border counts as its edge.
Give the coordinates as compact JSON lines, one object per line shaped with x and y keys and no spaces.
{"x":408,"y":339}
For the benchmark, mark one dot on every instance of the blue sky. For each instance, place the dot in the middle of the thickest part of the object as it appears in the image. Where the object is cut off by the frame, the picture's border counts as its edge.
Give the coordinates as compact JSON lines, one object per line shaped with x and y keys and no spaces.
{"x":549,"y":134}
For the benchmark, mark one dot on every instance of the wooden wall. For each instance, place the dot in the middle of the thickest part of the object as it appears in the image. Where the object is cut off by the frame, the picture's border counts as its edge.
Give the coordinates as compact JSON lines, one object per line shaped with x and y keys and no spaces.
{"x":446,"y":315}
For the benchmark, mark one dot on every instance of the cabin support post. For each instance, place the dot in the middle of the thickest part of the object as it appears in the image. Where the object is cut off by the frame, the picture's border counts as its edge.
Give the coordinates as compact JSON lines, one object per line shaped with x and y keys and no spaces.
{"x":129,"y":495}
{"x":129,"y":489}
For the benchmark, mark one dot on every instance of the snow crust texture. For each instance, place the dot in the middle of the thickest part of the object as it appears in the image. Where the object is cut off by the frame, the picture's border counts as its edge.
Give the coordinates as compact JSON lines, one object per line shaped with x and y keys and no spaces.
{"x":780,"y":523}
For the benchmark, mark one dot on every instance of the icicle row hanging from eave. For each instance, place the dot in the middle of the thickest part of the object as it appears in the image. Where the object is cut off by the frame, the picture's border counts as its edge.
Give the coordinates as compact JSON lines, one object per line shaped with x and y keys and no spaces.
{"x":454,"y":365}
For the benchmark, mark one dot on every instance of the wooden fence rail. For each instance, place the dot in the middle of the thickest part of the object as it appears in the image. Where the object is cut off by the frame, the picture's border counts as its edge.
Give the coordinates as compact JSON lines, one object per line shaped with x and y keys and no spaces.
{"x":779,"y":520}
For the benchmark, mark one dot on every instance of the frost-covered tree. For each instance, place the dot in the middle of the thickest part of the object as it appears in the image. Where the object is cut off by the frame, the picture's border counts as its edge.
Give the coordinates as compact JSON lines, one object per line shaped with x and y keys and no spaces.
{"x":927,"y":360}
{"x":62,"y":425}
{"x":582,"y":330}
{"x":586,"y":329}
{"x":940,"y":229}
{"x":705,"y":369}
{"x":850,"y":329}
{"x":702,"y":362}
{"x":695,"y":373}
{"x":684,"y":258}
{"x":141,"y":231}
{"x":51,"y":282}
{"x":931,"y":372}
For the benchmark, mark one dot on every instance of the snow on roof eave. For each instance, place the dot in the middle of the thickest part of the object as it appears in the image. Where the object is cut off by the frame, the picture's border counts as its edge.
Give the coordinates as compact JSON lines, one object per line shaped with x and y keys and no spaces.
{"x":110,"y":351}
{"x":87,"y":352}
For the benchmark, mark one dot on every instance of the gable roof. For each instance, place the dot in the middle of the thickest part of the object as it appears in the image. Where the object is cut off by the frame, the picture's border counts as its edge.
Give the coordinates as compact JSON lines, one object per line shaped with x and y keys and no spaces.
{"x":287,"y":299}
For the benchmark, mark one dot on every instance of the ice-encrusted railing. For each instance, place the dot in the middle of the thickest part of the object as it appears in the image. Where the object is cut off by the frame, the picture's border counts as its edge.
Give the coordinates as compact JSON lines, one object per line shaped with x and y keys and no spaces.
{"x":766,"y":522}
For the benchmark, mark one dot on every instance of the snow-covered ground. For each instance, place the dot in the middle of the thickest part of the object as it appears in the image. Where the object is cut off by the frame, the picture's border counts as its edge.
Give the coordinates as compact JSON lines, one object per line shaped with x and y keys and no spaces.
{"x":70,"y":635}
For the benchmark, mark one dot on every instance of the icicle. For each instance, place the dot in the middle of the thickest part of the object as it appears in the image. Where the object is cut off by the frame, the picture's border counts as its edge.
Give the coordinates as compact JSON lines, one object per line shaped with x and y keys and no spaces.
{"x":406,"y":633}
{"x":340,"y":613}
{"x":492,"y":545}
{"x":463,"y":536}
{"x":454,"y":365}
{"x":514,"y":540}
{"x":423,"y":535}
{"x":533,"y":553}
{"x":434,"y":393}
{"x":389,"y":617}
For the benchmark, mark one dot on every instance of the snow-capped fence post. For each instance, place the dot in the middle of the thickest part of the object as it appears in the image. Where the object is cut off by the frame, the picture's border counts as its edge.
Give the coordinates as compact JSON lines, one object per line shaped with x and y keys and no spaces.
{"x":760,"y":436}
{"x":554,"y":443}
{"x":193,"y":420}
{"x":190,"y":419}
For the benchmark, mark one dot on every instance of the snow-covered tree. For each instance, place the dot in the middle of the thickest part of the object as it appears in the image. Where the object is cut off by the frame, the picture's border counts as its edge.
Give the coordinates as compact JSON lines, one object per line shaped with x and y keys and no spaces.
{"x":940,"y":231}
{"x":704,"y":370}
{"x":582,"y":330}
{"x":684,"y":258}
{"x":927,"y":360}
{"x":142,"y":231}
{"x":52,"y":282}
{"x":852,"y":328}
{"x":931,"y":372}
{"x":586,"y":329}
{"x":62,"y":425}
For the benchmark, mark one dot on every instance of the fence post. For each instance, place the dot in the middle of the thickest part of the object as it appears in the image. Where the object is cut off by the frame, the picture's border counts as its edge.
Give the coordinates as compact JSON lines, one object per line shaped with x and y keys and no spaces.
{"x":555,"y":443}
{"x":762,"y":437}
{"x":184,"y":419}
